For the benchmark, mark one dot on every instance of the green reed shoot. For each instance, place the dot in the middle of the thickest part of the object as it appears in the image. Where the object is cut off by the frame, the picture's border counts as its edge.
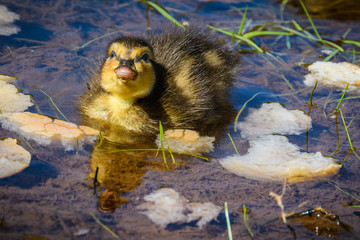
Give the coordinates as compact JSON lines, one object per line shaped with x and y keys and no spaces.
{"x":167,"y":144}
{"x":246,"y":218}
{"x":242,"y":21}
{"x":233,"y":144}
{"x":52,"y":102}
{"x":162,"y":137}
{"x":347,"y":155}
{"x":163,"y":12}
{"x":331,"y":55}
{"x":100,"y":140}
{"x":347,"y":133}
{"x":311,"y":95}
{"x":105,"y":227}
{"x":243,"y":107}
{"x":162,"y":144}
{"x":341,"y":99}
{"x":228,"y":221}
{"x":239,"y":37}
{"x":310,"y":20}
{"x":354,"y":55}
{"x":356,"y":43}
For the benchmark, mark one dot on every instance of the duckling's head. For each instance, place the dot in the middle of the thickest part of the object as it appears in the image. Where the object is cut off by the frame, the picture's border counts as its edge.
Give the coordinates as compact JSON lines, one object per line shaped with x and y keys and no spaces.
{"x":128,"y":70}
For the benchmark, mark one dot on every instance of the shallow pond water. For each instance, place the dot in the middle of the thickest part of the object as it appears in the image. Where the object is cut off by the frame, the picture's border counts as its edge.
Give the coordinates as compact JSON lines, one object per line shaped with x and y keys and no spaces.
{"x":54,"y":197}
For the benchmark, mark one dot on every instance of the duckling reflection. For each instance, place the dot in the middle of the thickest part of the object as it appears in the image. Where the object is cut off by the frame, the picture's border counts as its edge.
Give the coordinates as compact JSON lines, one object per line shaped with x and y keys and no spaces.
{"x":180,"y":77}
{"x":119,"y":172}
{"x":346,"y":10}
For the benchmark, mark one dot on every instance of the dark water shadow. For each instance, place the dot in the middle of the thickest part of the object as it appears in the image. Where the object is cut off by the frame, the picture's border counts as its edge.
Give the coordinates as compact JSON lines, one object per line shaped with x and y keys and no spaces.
{"x":37,"y":173}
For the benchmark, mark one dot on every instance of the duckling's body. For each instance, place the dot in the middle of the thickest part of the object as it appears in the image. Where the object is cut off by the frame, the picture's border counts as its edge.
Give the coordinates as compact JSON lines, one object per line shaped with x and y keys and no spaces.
{"x":180,"y":78}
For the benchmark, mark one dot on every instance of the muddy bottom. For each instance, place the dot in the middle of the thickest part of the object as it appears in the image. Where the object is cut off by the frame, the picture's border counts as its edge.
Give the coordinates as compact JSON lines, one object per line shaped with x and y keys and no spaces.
{"x":56,"y":196}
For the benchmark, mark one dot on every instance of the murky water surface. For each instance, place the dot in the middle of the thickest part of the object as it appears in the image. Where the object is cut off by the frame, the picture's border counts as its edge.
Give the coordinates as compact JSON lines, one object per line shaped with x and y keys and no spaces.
{"x":54,"y":197}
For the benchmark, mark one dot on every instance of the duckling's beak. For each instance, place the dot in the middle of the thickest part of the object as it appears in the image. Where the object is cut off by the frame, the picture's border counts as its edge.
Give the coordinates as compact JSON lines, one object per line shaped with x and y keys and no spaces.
{"x":125,"y":71}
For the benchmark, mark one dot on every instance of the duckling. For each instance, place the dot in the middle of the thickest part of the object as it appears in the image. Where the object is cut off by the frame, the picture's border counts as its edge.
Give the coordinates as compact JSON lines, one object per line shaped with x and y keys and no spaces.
{"x":180,"y":77}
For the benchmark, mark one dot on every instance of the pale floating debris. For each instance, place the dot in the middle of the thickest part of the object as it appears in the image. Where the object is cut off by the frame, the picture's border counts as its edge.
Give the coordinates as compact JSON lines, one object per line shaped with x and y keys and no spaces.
{"x":13,"y":158}
{"x":7,"y":78}
{"x":272,"y":118}
{"x":166,"y":206}
{"x":187,"y":141}
{"x":82,"y":232}
{"x":11,"y":100}
{"x":336,"y":75}
{"x":45,"y":130}
{"x":7,"y":18}
{"x":273,"y":157}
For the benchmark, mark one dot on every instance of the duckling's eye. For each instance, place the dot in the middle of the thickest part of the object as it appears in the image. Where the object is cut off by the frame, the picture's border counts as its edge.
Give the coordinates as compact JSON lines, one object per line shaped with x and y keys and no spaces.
{"x":145,"y":57}
{"x":112,"y":55}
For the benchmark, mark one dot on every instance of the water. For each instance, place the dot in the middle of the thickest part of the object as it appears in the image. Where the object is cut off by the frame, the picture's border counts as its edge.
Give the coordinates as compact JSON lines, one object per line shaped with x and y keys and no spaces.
{"x":52,"y":199}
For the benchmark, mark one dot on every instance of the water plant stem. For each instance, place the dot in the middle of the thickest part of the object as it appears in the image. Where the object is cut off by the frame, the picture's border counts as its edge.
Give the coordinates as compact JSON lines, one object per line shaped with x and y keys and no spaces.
{"x":162,"y":136}
{"x":228,"y":221}
{"x":242,"y":21}
{"x":105,"y":227}
{"x":246,"y":218}
{"x":163,"y":12}
{"x":52,"y":102}
{"x":350,"y":195}
{"x":341,"y":99}
{"x":312,"y":93}
{"x":347,"y":133}
{"x":93,"y":40}
{"x":243,"y":107}
{"x":310,"y":20}
{"x":233,"y":144}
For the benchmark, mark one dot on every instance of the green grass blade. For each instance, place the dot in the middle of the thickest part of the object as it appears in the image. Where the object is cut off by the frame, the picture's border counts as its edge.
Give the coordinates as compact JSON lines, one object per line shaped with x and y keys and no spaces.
{"x":162,"y":144}
{"x":297,"y":26}
{"x":105,"y":227}
{"x":52,"y":103}
{"x":167,"y":144}
{"x":231,"y":34}
{"x":100,"y":140}
{"x":246,"y":218}
{"x":347,"y":133}
{"x":233,"y":144}
{"x":310,"y":20}
{"x":242,"y":21}
{"x":243,"y":107}
{"x":312,"y":93}
{"x":263,"y":33}
{"x":356,"y":43}
{"x":331,"y":55}
{"x":341,"y":99}
{"x":163,"y":12}
{"x":334,"y":45}
{"x":228,"y":221}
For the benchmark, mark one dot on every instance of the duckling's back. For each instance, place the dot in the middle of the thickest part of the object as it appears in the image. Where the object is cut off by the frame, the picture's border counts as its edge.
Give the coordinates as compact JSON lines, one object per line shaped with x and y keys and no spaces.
{"x":197,"y":75}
